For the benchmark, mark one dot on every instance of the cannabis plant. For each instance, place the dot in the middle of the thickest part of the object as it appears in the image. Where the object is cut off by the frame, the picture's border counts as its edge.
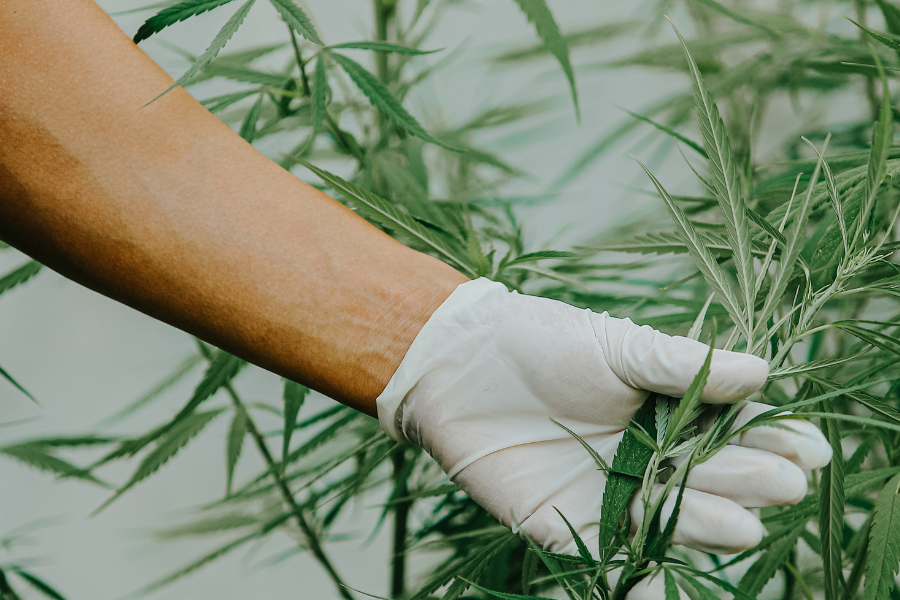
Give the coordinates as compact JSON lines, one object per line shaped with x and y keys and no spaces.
{"x":786,"y":255}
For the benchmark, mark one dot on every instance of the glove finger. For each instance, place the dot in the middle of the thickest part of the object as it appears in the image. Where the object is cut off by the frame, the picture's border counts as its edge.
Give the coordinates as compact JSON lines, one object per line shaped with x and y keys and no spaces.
{"x":648,"y":359}
{"x":797,"y":440}
{"x":706,"y":522}
{"x":750,"y":477}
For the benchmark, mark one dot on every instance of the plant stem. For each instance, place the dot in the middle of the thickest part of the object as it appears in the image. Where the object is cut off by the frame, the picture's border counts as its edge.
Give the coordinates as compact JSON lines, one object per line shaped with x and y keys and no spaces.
{"x":401,"y":517}
{"x":304,"y":80}
{"x":6,"y":591}
{"x":311,"y":539}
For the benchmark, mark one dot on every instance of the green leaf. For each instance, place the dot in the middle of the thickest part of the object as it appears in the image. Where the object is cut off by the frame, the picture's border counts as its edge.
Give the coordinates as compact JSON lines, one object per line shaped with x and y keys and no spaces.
{"x":225,"y":34}
{"x":671,"y":586}
{"x":737,"y":17}
{"x":882,"y":136}
{"x":883,"y":556}
{"x":890,"y":43}
{"x":664,"y":242}
{"x":687,"y":409}
{"x":175,"y":14}
{"x":39,"y":584}
{"x":296,"y":19}
{"x":702,"y":256}
{"x":796,"y":237}
{"x":579,"y":543}
{"x":627,"y":470}
{"x":294,"y":396}
{"x":388,"y":215}
{"x":5,"y":375}
{"x":538,"y":13}
{"x":236,"y":435}
{"x":19,"y":276}
{"x":382,"y":47}
{"x":248,"y":127}
{"x":769,"y":563}
{"x":727,"y":183}
{"x":36,"y":455}
{"x":891,"y":16}
{"x":320,"y":96}
{"x":384,"y":101}
{"x":831,"y":511}
{"x":533,"y":256}
{"x":598,"y":460}
{"x":167,"y":447}
{"x":668,"y":130}
{"x":504,"y":595}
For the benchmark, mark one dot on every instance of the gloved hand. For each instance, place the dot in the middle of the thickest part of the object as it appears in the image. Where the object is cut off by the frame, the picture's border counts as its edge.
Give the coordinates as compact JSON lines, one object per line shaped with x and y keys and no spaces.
{"x":490,"y":369}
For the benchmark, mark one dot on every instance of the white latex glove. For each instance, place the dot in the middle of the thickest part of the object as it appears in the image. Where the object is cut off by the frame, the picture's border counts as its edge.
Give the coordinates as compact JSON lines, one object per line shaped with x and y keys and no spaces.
{"x":483,"y":379}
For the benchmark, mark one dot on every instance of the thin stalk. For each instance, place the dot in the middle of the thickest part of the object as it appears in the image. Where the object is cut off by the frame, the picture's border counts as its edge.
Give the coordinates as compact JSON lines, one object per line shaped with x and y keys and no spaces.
{"x":304,"y":80}
{"x":401,"y":519}
{"x":385,"y":11}
{"x":311,"y":539}
{"x":796,"y":577}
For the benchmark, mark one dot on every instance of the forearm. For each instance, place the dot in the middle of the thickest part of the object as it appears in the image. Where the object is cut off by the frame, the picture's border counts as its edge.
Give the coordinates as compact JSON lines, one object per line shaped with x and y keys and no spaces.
{"x":166,"y":209}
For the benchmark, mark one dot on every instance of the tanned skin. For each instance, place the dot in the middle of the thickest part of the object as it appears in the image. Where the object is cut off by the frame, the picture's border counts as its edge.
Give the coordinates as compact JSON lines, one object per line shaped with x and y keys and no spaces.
{"x":167,"y":210}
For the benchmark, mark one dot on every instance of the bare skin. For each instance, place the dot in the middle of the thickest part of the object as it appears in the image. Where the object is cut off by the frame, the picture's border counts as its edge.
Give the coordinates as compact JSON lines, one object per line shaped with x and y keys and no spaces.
{"x":167,"y":210}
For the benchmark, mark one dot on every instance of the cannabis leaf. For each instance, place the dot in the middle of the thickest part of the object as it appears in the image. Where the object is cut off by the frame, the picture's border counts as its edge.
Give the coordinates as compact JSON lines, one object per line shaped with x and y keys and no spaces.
{"x":539,"y":14}
{"x":727,"y":183}
{"x":174,"y":14}
{"x":296,"y":19}
{"x":225,"y":34}
{"x":883,"y":556}
{"x":384,"y":101}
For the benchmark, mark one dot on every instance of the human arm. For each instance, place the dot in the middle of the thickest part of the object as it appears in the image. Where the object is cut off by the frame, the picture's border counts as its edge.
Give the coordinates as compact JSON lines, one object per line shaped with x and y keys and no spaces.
{"x":166,"y":209}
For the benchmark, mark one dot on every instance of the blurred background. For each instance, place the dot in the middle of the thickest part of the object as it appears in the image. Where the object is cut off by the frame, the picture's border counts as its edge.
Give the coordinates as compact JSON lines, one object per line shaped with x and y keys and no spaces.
{"x":84,"y":357}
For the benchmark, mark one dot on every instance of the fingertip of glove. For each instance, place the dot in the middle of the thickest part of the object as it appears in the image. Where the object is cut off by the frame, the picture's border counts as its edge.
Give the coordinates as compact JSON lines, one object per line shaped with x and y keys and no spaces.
{"x":734,"y":376}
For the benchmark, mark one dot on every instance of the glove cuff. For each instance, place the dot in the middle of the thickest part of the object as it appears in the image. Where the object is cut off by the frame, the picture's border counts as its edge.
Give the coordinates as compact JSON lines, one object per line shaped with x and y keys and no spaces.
{"x":430,"y":345}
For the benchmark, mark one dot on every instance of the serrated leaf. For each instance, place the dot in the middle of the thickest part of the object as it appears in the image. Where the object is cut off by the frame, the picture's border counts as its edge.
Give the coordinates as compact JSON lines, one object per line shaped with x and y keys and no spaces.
{"x":19,"y":275}
{"x":236,"y":435}
{"x":294,"y":396}
{"x":727,"y":183}
{"x":795,"y":237}
{"x":248,"y":127}
{"x":297,"y":20}
{"x":625,"y":474}
{"x":36,"y":455}
{"x":808,"y":367}
{"x":225,"y":34}
{"x":540,"y":16}
{"x":167,"y":447}
{"x":385,"y":213}
{"x":321,"y":92}
{"x":533,"y":256}
{"x":579,"y":543}
{"x":703,"y":258}
{"x":175,"y":14}
{"x":882,"y":136}
{"x":686,"y":409}
{"x":384,"y":101}
{"x":504,"y":595}
{"x":883,"y":556}
{"x":664,"y":242}
{"x":831,"y":511}
{"x":382,"y":47}
{"x":669,"y":131}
